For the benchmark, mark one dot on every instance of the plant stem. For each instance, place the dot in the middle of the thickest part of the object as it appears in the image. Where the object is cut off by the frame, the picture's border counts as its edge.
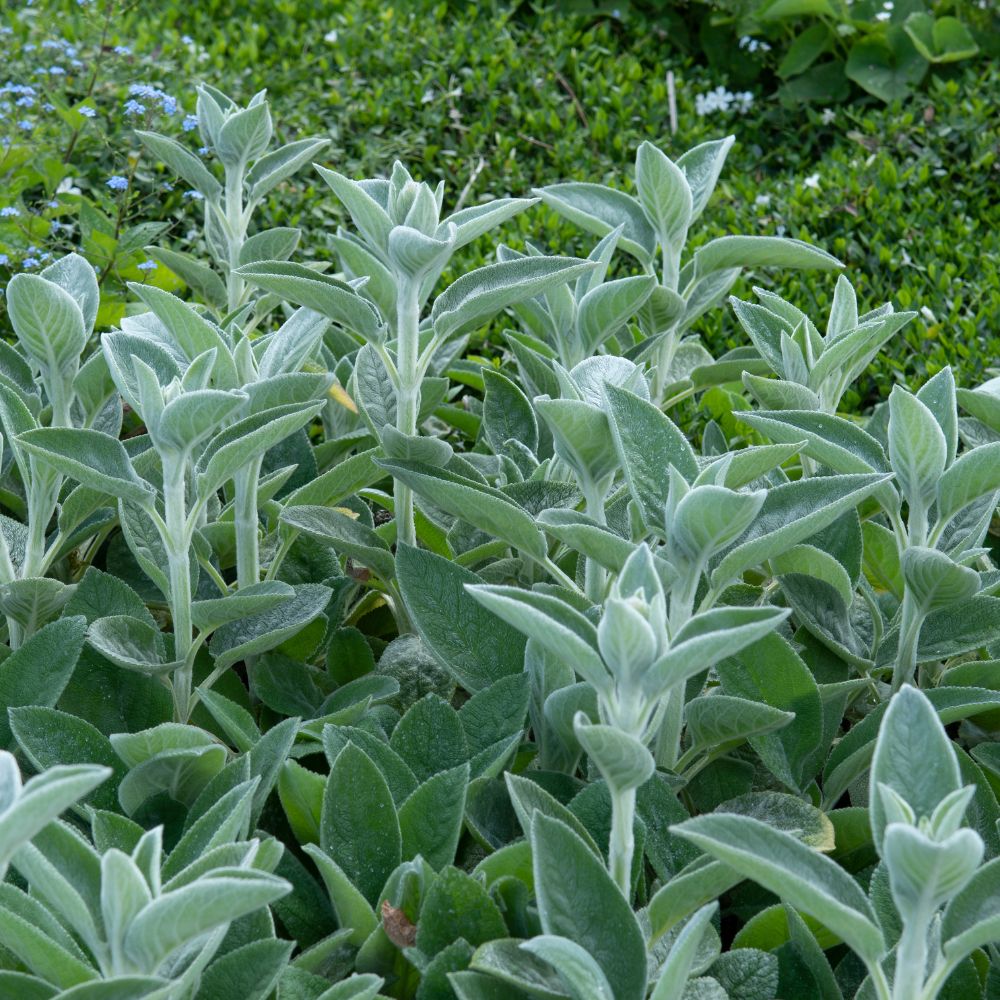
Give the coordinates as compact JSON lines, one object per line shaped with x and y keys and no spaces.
{"x":911,"y":960}
{"x":408,"y":395}
{"x":245,"y":511}
{"x":237,"y":235}
{"x":910,"y":622}
{"x":622,"y":843}
{"x":179,"y":569}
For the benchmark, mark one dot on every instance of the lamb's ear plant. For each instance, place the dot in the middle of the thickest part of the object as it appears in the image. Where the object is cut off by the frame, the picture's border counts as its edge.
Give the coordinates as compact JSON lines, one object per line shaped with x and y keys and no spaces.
{"x":45,"y":381}
{"x":653,"y":226}
{"x":944,"y":900}
{"x":397,"y":256}
{"x":239,"y":138}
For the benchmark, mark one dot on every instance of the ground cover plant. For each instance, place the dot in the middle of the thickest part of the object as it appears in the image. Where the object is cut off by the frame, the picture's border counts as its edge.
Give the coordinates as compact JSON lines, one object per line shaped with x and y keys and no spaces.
{"x":383,"y":617}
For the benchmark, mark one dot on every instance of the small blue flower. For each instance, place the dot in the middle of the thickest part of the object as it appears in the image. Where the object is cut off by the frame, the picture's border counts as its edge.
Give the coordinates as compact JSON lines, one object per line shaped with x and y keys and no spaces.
{"x":29,"y":262}
{"x":133,"y":107}
{"x":190,"y":123}
{"x":123,"y":50}
{"x":167,"y":186}
{"x":4,"y":260}
{"x":25,"y":102}
{"x":87,"y":111}
{"x":24,"y":125}
{"x":147,"y":265}
{"x":204,"y":150}
{"x":48,"y":107}
{"x":117,"y":183}
{"x":9,"y":212}
{"x":193,"y":195}
{"x":56,"y":71}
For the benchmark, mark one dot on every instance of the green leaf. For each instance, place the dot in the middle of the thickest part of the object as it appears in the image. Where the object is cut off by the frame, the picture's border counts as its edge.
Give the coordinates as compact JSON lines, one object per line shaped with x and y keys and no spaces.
{"x":888,"y":66}
{"x":974,"y":474}
{"x":796,"y":873}
{"x":600,"y":210}
{"x":430,"y":738}
{"x":604,"y":310}
{"x":486,"y":650}
{"x":588,"y":909}
{"x":507,"y":414}
{"x":182,"y":161}
{"x":624,"y":762}
{"x":934,"y":580}
{"x":702,"y":165}
{"x":792,"y":513}
{"x":554,"y":624}
{"x":91,"y":457}
{"x":457,"y":906}
{"x":674,"y":973}
{"x":479,"y":295}
{"x":48,"y":322}
{"x":38,"y":671}
{"x":247,"y":973}
{"x":721,"y":720}
{"x":972,"y":919}
{"x":480,"y":505}
{"x":760,"y":251}
{"x":359,"y":829}
{"x":345,"y":534}
{"x":430,"y":820}
{"x":268,"y":629}
{"x":577,"y":969}
{"x":209,"y":614}
{"x":664,"y":195}
{"x":648,"y":444}
{"x":917,"y":448}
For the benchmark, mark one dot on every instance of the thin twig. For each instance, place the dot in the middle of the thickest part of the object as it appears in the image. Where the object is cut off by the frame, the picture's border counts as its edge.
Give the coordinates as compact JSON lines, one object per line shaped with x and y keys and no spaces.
{"x":536,"y":142}
{"x":565,"y":84}
{"x":476,"y":171}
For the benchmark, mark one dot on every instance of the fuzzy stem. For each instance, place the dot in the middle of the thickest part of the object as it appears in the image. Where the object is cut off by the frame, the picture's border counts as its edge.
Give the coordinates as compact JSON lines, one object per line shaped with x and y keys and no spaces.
{"x":911,"y":960}
{"x":245,"y":511}
{"x":237,"y":235}
{"x":621,"y":846}
{"x":595,"y":575}
{"x":179,"y":570}
{"x":910,"y":623}
{"x":408,"y":397}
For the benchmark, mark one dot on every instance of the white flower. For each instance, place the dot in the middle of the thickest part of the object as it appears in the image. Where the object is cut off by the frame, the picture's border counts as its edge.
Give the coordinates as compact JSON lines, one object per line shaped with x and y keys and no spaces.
{"x":812,"y":181}
{"x":762,"y":200}
{"x":427,"y":97}
{"x":883,"y":15}
{"x":829,"y":116}
{"x":928,"y":315}
{"x":330,"y":36}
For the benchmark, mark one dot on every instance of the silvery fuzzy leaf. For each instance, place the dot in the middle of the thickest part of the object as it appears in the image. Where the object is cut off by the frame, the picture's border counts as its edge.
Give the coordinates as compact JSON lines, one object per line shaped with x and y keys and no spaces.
{"x":791,"y":514}
{"x":844,"y":311}
{"x":278,"y":165}
{"x":599,"y":210}
{"x":583,"y":533}
{"x":196,"y":275}
{"x":267,"y":629}
{"x":470,"y":223}
{"x":322,"y":293}
{"x":918,"y":450}
{"x":911,"y":730}
{"x":708,"y":518}
{"x":648,"y":444}
{"x":974,"y":474}
{"x":581,"y":436}
{"x":192,"y":416}
{"x":48,"y":322}
{"x":270,"y":244}
{"x":97,"y":460}
{"x":702,"y":165}
{"x":182,"y":162}
{"x":843,"y":626}
{"x":359,"y":261}
{"x":760,"y":251}
{"x":345,"y":534}
{"x":674,"y":973}
{"x":120,"y":351}
{"x":719,"y":720}
{"x":293,"y":344}
{"x":482,"y":506}
{"x":624,"y":762}
{"x":368,"y":212}
{"x":847,"y":357}
{"x":707,"y":638}
{"x":924,"y":873}
{"x":176,"y":918}
{"x":777,"y":394}
{"x":934,"y":580}
{"x":479,"y":295}
{"x":664,"y":194}
{"x":576,"y":967}
{"x":660,"y":312}
{"x":588,"y":914}
{"x":552,"y":623}
{"x":705,"y":291}
{"x":983,"y":402}
{"x":209,"y":614}
{"x":972,"y":919}
{"x":832,"y":440}
{"x":244,"y":135}
{"x":528,"y":798}
{"x":35,"y":601}
{"x":416,"y":255}
{"x":75,"y":275}
{"x":798,"y":874}
{"x":229,"y":451}
{"x":938,"y":395}
{"x":591,"y":376}
{"x":414,"y":447}
{"x":131,"y":644}
{"x":809,"y":560}
{"x":604,"y":310}
{"x":374,"y":389}
{"x":507,"y":414}
{"x":281,"y":390}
